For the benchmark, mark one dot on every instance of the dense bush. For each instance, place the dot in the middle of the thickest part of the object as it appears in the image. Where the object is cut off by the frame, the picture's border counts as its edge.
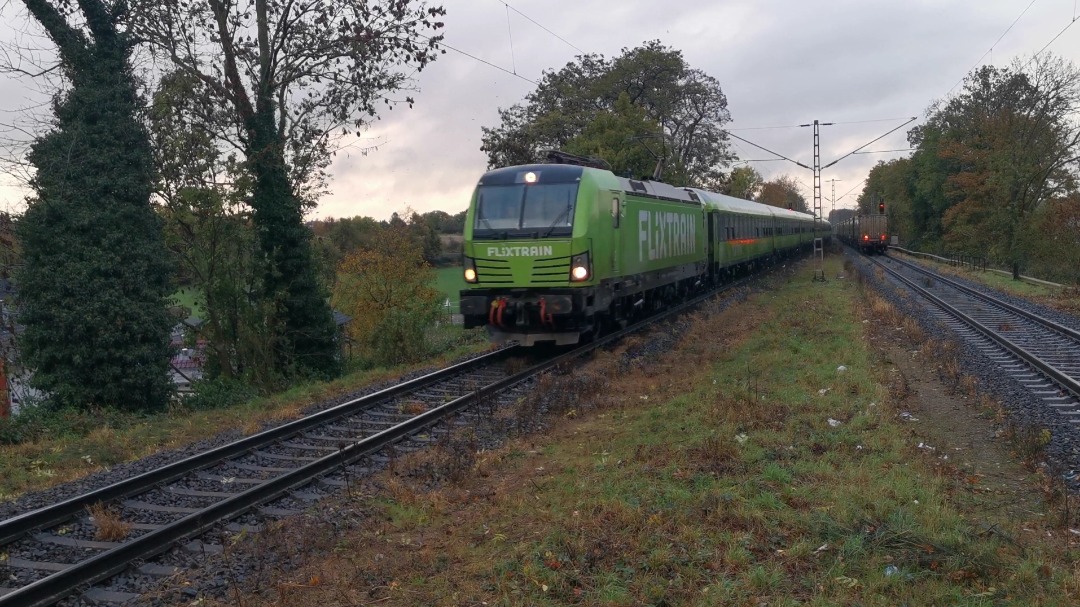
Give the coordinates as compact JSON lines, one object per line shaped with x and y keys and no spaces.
{"x":386,"y":289}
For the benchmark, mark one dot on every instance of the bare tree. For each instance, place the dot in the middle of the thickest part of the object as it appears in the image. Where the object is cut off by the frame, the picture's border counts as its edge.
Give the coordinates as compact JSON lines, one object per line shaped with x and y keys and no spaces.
{"x":314,"y":71}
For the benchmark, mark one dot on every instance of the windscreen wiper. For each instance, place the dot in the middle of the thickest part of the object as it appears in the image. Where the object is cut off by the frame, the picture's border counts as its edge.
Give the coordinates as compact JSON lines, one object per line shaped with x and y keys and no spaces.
{"x":563,"y":215}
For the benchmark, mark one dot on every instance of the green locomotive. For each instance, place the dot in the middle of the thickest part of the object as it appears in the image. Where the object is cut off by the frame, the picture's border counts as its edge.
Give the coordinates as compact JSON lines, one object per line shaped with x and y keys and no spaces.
{"x":557,"y":252}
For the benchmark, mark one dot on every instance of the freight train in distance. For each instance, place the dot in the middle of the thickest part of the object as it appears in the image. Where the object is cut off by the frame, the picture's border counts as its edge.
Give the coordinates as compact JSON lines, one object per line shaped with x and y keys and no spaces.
{"x":559,"y":252}
{"x":868,"y":233}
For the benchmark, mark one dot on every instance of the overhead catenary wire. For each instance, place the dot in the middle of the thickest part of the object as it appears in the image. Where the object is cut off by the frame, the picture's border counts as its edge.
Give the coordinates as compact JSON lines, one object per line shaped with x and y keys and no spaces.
{"x":537,"y":24}
{"x":850,"y":191}
{"x":912,"y":119}
{"x":991,"y":49}
{"x":1045,"y":46}
{"x":1074,"y":19}
{"x":510,"y":35}
{"x":513,"y":58}
{"x":795,"y":126}
{"x":767,"y":150}
{"x":485,"y":62}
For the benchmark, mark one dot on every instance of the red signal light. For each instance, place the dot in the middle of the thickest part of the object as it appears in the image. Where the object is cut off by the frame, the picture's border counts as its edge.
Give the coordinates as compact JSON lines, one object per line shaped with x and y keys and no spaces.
{"x":881,"y":208}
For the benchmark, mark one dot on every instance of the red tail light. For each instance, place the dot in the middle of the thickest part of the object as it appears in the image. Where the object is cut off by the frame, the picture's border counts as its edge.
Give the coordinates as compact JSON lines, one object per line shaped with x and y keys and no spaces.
{"x":866,"y":237}
{"x":883,"y":237}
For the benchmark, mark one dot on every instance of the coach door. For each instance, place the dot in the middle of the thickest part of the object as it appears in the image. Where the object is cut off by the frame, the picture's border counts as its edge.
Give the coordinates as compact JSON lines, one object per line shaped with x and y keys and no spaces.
{"x":616,"y":212}
{"x":712,"y":221}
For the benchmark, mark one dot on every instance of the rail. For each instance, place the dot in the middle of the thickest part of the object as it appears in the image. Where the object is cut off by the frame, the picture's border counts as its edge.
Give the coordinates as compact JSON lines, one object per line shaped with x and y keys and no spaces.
{"x":1051,"y":371}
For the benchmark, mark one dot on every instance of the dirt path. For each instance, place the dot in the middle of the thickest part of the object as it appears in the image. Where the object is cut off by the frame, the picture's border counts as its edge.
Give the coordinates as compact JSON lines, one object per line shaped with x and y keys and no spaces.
{"x":961,"y":432}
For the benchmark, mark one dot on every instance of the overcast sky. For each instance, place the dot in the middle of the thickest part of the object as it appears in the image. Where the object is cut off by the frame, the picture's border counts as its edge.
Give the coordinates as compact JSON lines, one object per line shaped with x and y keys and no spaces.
{"x":866,"y":65}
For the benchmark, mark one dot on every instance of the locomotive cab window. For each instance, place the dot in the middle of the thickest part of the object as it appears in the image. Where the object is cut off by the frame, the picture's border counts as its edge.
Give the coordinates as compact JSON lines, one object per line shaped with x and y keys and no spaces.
{"x":513,"y":209}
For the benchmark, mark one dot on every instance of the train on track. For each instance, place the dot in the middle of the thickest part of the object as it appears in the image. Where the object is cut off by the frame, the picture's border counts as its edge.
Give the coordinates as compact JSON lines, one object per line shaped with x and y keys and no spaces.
{"x":561,"y":251}
{"x":868,"y":233}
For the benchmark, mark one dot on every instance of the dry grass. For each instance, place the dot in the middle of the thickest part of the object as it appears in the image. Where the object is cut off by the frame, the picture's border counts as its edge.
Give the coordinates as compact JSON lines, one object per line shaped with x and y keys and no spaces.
{"x":110,"y":527}
{"x":413,"y":407}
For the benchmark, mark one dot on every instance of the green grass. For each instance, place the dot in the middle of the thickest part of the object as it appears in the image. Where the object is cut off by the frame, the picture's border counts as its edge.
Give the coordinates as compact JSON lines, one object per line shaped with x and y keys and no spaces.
{"x":995,"y":280}
{"x":189,"y":297}
{"x":450,"y":283}
{"x":1018,"y":287}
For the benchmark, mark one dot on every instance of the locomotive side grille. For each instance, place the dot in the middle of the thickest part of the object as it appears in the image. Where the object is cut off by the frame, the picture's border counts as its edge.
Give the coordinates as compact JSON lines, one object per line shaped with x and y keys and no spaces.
{"x":552,"y":271}
{"x":494,"y":272}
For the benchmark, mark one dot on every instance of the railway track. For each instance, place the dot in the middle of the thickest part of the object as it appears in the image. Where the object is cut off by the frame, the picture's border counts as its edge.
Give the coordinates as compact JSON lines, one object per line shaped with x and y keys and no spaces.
{"x":1041,"y":355}
{"x":51,"y":553}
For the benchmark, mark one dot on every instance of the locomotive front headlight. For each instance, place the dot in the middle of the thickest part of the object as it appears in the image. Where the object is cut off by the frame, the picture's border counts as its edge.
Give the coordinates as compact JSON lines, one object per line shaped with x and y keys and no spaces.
{"x":470,"y":270}
{"x":580,"y":269}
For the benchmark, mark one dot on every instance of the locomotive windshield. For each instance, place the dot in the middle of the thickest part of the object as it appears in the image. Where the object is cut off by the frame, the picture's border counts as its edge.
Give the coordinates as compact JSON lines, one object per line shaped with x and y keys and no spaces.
{"x":539,"y":210}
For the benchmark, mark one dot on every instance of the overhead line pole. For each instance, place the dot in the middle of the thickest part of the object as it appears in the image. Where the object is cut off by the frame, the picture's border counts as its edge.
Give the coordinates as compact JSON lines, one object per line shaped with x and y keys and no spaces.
{"x":819,"y":248}
{"x":819,"y":243}
{"x":832,"y":201}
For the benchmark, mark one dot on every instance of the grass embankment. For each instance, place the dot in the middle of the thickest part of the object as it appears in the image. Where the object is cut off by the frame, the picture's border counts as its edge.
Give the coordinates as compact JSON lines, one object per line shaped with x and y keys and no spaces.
{"x":71,"y":445}
{"x":743,"y":467}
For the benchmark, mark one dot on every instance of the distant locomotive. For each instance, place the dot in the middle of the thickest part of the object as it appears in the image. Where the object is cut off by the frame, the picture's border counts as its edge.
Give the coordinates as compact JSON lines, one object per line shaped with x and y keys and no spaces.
{"x":869,"y":233}
{"x":558,"y":252}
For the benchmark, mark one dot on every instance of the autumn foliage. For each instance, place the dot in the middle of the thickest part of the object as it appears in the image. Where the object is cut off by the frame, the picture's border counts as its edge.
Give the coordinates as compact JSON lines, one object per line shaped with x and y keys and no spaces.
{"x":386,"y":288}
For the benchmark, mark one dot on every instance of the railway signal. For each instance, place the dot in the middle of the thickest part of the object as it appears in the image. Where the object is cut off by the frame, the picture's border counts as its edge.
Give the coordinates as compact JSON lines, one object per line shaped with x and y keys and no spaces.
{"x":881,"y":207}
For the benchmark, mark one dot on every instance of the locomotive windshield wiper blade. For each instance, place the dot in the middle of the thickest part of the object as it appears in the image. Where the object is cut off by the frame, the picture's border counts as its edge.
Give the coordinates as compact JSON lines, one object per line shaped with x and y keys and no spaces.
{"x":563,"y":215}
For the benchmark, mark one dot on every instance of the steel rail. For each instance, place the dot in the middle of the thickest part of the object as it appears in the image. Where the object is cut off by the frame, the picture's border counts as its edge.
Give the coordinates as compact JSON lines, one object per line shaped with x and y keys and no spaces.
{"x":56,"y":586}
{"x":48,"y":516}
{"x":1063,"y":380}
{"x":1049,"y":324}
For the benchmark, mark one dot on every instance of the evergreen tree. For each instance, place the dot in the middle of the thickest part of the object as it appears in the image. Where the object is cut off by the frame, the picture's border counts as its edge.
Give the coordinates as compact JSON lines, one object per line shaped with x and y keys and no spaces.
{"x":93,"y":287}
